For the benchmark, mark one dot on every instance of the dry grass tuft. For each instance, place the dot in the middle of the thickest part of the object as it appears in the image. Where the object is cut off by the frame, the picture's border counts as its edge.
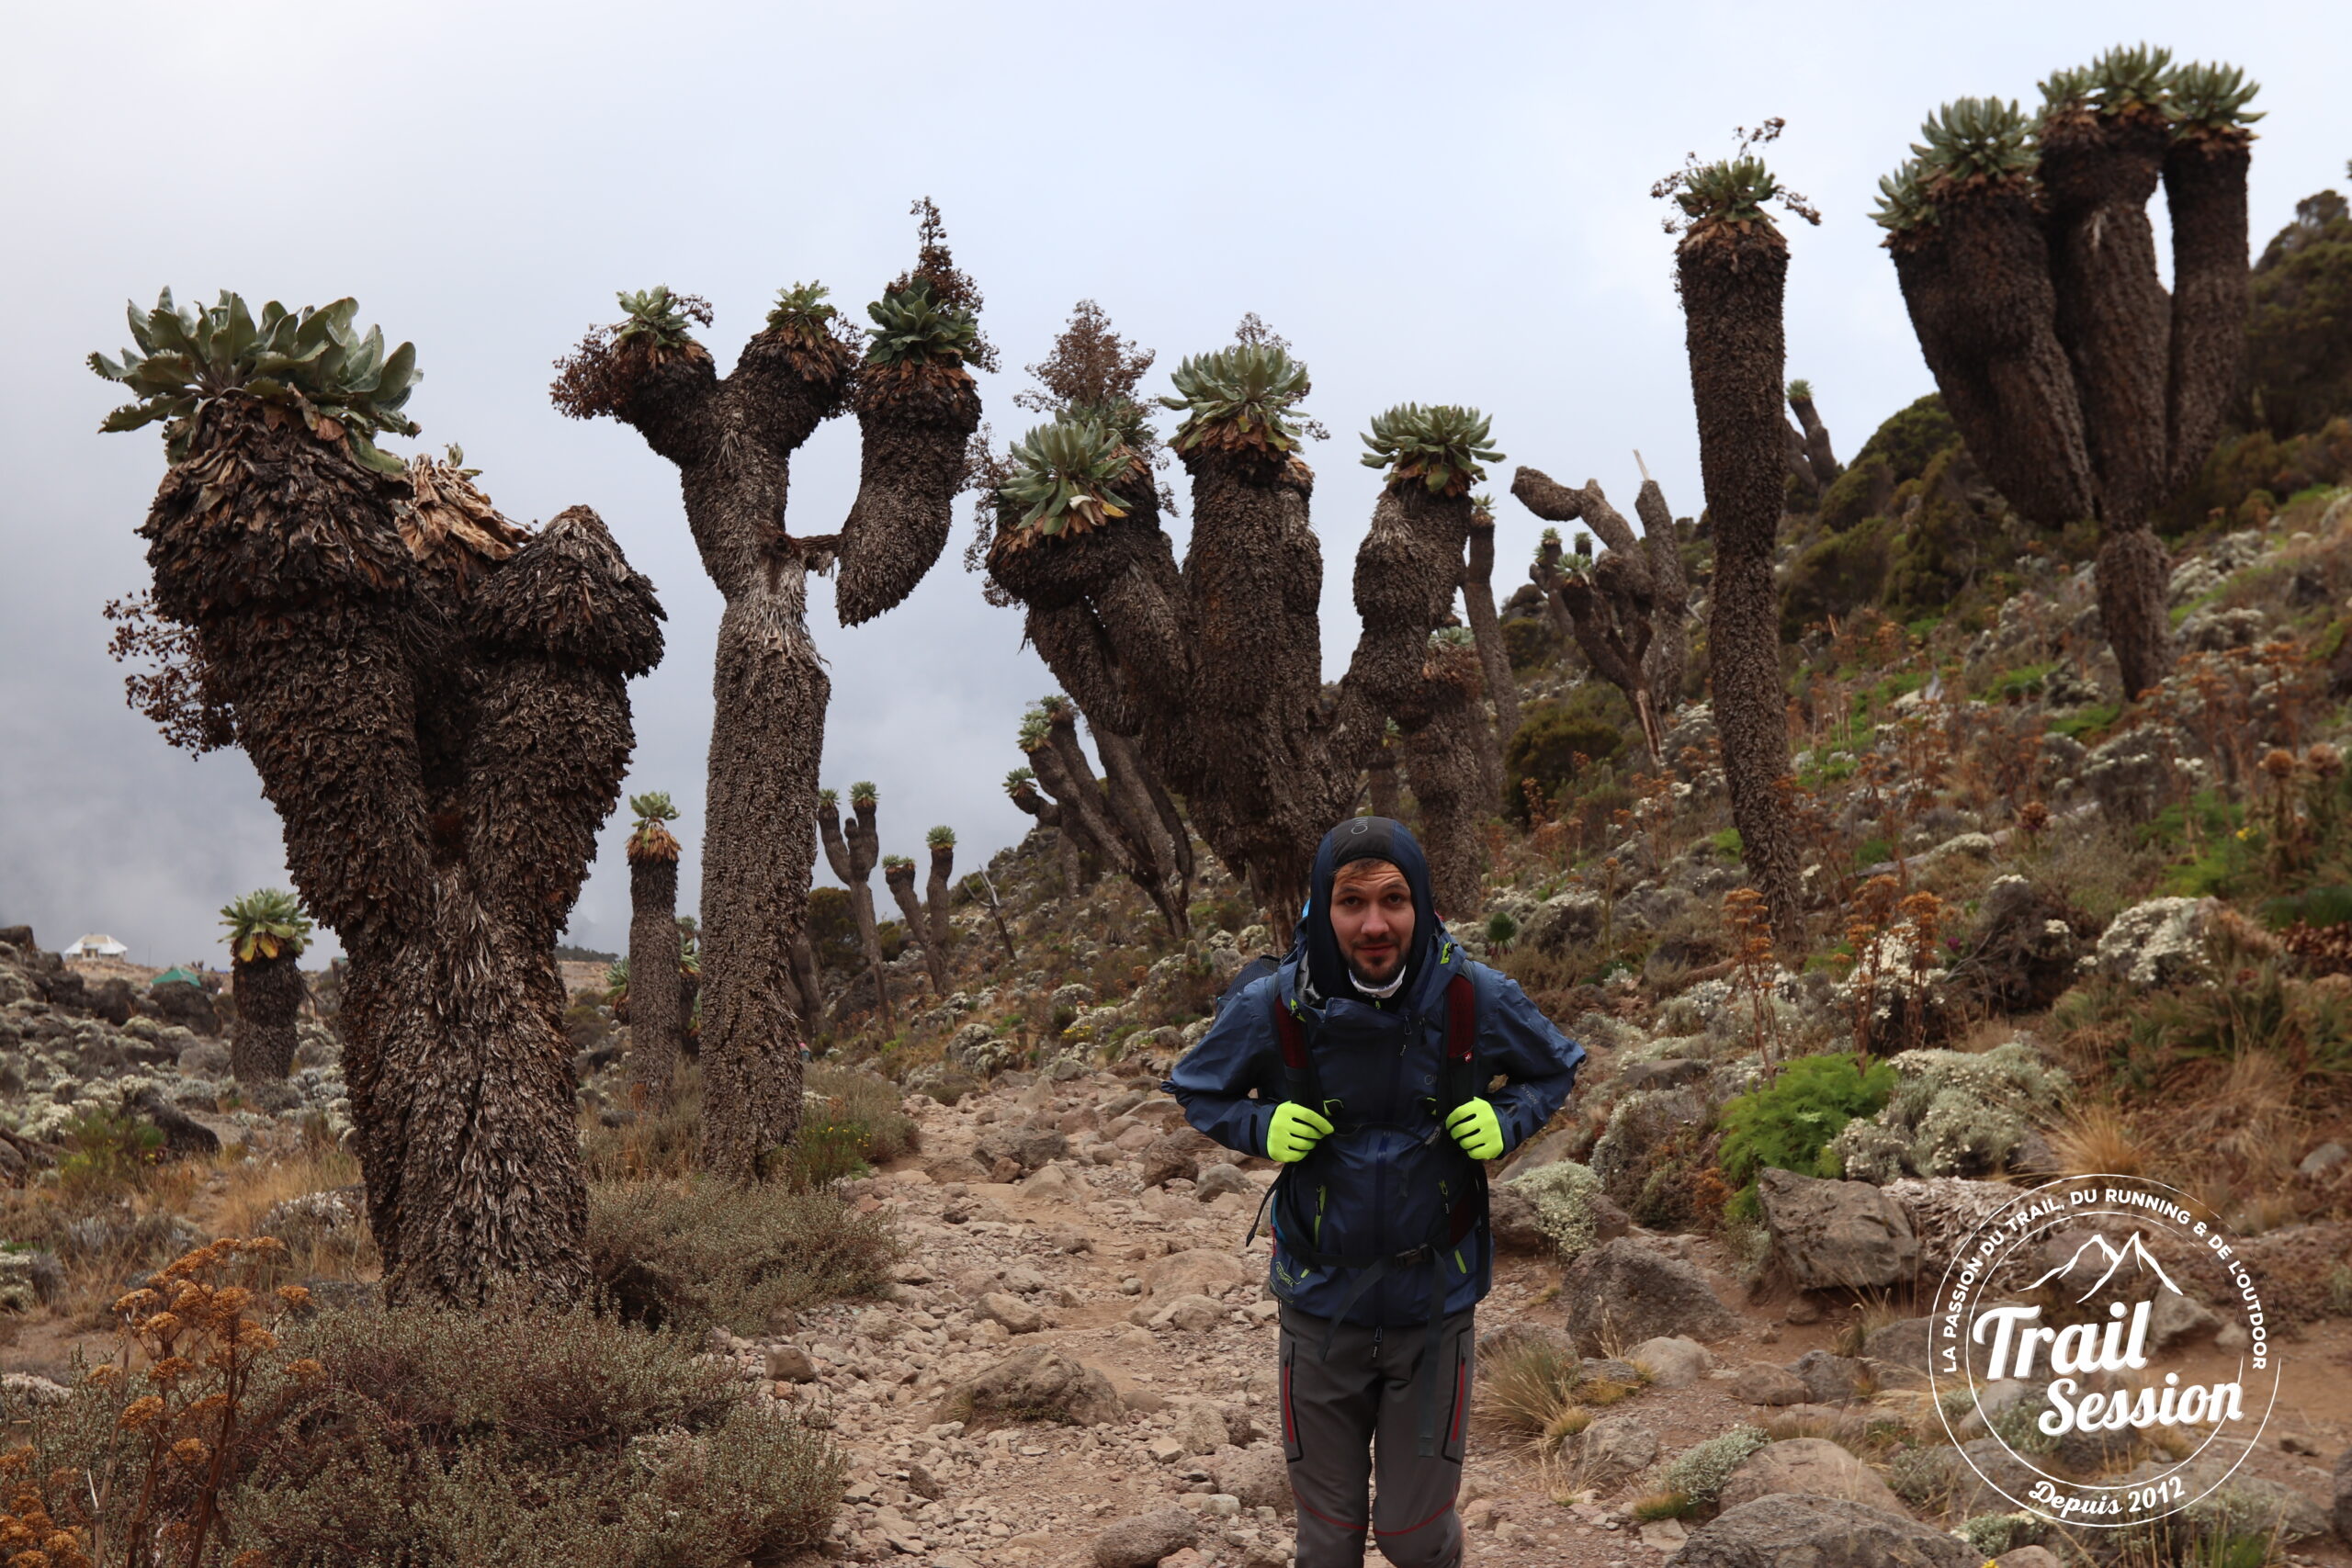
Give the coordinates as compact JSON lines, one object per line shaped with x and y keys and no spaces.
{"x":1532,"y":1388}
{"x":2098,"y":1140}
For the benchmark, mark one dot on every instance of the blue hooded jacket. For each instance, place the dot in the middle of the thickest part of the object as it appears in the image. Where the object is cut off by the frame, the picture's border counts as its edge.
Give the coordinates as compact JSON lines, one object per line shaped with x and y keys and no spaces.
{"x":1387,"y":1180}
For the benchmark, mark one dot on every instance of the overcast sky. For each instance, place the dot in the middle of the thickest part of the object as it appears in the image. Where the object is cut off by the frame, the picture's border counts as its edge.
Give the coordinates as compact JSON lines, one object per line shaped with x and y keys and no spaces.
{"x":1434,"y":203}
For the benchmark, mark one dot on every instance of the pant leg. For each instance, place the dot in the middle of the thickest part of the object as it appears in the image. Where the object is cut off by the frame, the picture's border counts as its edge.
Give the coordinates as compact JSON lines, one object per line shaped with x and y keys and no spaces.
{"x":1413,"y":1518}
{"x":1330,"y":1407}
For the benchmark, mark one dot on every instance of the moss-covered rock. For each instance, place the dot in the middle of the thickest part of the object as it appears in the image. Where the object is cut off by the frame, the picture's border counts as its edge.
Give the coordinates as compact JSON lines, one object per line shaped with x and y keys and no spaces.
{"x":1952,"y":1113}
{"x":1911,"y":439}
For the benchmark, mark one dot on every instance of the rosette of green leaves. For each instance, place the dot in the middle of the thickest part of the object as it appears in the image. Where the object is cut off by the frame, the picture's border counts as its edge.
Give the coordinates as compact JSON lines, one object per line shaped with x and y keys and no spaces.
{"x":264,"y":923}
{"x":1020,"y":778}
{"x":1975,"y":139}
{"x":941,"y":837}
{"x":309,"y":361}
{"x":1238,"y":395}
{"x":1444,"y":447}
{"x":661,"y":317}
{"x":862,"y":792}
{"x":802,"y":309}
{"x":2121,"y":79}
{"x":1034,"y":728}
{"x":2211,"y":97}
{"x":828,"y":797}
{"x":1451,"y":637}
{"x":1903,"y":199}
{"x":652,"y":807}
{"x":911,"y":327}
{"x":1061,"y":479}
{"x":896,"y":862}
{"x":1729,"y":190}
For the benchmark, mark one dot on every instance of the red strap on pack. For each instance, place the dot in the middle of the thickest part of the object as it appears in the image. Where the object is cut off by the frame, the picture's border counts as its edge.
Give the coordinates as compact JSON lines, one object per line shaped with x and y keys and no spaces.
{"x":1293,"y":1038}
{"x":1461,"y":1018}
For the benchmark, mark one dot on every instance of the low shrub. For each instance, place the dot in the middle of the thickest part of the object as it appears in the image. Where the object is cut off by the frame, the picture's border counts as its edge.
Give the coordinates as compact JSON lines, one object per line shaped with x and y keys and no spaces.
{"x":1531,"y":1387}
{"x":1563,"y":1194}
{"x":688,"y":1254}
{"x":1952,"y":1114}
{"x":517,"y":1434}
{"x":1789,"y":1124}
{"x":1699,"y":1471}
{"x":1546,"y":748}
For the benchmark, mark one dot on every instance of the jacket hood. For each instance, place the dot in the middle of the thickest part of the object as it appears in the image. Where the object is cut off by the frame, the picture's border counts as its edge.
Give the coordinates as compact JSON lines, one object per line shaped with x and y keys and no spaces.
{"x":1367,"y":838}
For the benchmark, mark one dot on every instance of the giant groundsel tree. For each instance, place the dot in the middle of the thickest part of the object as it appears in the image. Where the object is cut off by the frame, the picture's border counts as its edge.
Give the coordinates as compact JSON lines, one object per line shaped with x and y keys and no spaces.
{"x":1212,"y":668}
{"x":2029,"y":263}
{"x":1731,"y":267}
{"x":267,"y":931}
{"x":732,"y":438}
{"x":435,"y":701}
{"x":657,"y":1013}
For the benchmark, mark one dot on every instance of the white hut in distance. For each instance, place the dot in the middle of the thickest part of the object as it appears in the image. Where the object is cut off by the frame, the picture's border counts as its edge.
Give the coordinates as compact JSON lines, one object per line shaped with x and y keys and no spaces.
{"x":97,"y":944}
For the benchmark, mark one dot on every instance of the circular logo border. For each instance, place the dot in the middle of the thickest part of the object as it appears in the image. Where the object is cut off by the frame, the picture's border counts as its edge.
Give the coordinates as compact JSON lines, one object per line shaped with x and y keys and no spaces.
{"x":1944,"y":1308}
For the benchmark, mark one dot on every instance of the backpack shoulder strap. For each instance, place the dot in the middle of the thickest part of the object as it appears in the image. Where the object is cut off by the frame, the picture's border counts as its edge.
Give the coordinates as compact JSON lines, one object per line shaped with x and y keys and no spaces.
{"x":1299,"y":1082}
{"x":1465,"y":1079}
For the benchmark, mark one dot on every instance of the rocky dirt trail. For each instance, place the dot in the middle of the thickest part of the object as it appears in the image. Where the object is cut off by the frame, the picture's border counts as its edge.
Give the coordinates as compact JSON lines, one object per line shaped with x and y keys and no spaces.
{"x":1078,"y":1369}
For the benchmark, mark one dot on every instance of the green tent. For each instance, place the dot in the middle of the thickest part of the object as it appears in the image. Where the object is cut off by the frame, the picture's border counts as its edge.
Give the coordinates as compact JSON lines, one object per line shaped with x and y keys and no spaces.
{"x":176,"y":974}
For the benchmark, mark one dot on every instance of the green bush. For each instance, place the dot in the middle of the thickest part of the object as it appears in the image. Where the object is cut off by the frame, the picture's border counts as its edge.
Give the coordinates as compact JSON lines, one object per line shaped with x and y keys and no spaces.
{"x":1835,"y":576}
{"x":2297,"y":373}
{"x":1952,"y":1113}
{"x":1549,"y":740}
{"x":110,"y":1149}
{"x":1911,"y":439}
{"x":1862,"y":491}
{"x":689,"y":1254}
{"x":1789,"y":1124}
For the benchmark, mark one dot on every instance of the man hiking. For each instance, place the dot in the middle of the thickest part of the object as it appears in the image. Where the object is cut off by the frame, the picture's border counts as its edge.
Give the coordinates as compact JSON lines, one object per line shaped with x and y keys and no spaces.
{"x":1363,"y":1065}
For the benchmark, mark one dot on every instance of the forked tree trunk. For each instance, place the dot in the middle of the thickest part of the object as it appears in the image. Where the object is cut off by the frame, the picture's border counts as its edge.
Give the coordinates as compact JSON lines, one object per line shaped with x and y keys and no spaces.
{"x":268,"y":993}
{"x":1732,"y":276}
{"x":442,"y":732}
{"x":1381,"y":781}
{"x":851,"y":852}
{"x":900,"y":877}
{"x":657,"y":1024}
{"x":732,"y":439}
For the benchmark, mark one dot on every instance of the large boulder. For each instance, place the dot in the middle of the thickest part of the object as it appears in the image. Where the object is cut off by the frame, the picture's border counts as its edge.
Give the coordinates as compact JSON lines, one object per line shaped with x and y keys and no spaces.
{"x":2160,"y":942}
{"x":1795,"y":1530}
{"x":1834,"y":1235}
{"x":1623,"y":1289}
{"x":2342,"y":1482}
{"x":1945,"y":1213}
{"x":1256,"y":1475}
{"x":1140,"y":1540}
{"x":1813,"y":1466}
{"x":2023,"y":952}
{"x":1615,"y":1447}
{"x":1202,"y":1271}
{"x":185,"y":1003}
{"x":1636,"y":1149}
{"x":1026,"y":1148}
{"x":1038,"y":1384}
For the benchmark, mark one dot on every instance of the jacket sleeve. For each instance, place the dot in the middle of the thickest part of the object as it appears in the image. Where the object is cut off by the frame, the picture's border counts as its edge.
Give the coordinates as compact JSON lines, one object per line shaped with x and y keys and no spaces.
{"x":1539,"y":1064}
{"x":1237,"y":1055}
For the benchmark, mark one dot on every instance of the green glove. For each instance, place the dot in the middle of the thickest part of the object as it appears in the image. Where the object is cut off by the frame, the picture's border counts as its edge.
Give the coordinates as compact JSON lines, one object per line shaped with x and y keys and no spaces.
{"x":1294,"y":1132}
{"x":1478,"y":1129}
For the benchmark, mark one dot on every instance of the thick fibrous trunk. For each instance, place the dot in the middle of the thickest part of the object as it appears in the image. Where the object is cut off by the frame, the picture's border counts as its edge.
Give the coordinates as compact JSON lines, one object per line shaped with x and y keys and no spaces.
{"x":852,"y":854}
{"x":938,"y":889}
{"x":1069,"y":836}
{"x":806,"y":980}
{"x":1381,"y":782}
{"x":2081,"y":388}
{"x":657,"y":1024}
{"x":1669,"y":655}
{"x":899,"y":876}
{"x":914,"y":426}
{"x":1732,"y":276}
{"x":268,"y":993}
{"x":442,"y":735}
{"x":732,"y":439}
{"x":1440,"y":754}
{"x":1821,"y":461}
{"x":1494,"y":659}
{"x":1215,"y":672}
{"x":1157,"y":841}
{"x":2205,"y":177}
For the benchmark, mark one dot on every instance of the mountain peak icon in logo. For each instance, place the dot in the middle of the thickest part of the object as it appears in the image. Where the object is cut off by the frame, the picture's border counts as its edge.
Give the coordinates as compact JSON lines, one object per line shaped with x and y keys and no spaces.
{"x":2133,"y":1251}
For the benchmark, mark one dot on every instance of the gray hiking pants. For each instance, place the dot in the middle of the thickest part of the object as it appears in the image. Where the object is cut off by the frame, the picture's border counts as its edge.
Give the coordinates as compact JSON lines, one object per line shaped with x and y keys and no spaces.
{"x":1359,"y":1410}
